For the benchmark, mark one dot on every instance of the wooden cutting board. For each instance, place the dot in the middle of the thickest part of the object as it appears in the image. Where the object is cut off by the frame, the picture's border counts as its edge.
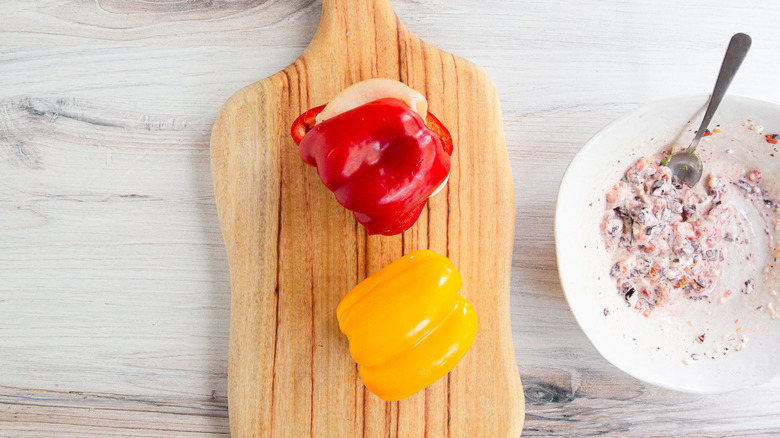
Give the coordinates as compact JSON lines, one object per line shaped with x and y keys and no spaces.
{"x":294,"y":252}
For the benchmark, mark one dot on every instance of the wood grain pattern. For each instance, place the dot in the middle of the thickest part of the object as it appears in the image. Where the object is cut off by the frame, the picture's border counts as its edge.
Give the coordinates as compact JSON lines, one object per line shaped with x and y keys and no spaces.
{"x":294,"y":252}
{"x":114,"y":284}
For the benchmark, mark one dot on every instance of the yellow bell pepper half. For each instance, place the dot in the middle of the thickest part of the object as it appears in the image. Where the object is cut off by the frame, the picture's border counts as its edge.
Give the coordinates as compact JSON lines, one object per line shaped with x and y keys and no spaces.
{"x":406,"y":324}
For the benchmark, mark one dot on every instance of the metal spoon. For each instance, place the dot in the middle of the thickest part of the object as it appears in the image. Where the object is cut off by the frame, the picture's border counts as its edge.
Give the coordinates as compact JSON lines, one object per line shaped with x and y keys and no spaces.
{"x":686,"y":166}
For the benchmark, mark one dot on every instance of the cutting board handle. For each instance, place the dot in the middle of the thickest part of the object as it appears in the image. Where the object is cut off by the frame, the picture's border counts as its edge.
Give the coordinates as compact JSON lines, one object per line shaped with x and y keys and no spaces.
{"x":341,"y":16}
{"x":335,"y":10}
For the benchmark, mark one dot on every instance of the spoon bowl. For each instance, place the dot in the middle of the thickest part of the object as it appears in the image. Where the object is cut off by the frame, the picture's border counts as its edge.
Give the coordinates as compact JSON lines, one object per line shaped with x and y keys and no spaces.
{"x":686,"y":166}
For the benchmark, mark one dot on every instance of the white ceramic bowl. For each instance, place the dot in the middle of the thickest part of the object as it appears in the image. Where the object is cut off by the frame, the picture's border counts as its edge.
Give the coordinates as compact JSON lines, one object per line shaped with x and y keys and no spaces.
{"x":652,"y":349}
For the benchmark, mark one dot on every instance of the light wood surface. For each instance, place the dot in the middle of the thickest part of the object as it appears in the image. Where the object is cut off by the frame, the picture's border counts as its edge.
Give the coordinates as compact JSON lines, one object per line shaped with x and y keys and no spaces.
{"x":114,"y":285}
{"x":294,"y":252}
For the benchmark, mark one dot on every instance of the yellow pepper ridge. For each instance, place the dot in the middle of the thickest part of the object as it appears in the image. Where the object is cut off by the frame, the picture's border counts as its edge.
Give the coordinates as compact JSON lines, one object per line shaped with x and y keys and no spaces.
{"x":406,"y":324}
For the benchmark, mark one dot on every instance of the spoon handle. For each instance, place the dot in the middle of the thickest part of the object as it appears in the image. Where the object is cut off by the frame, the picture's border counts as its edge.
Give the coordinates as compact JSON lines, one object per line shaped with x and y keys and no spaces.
{"x":735,"y":54}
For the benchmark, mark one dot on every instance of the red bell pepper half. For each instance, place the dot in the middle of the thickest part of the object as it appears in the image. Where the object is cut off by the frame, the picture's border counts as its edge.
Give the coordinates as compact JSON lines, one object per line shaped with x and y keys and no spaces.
{"x":381,"y":160}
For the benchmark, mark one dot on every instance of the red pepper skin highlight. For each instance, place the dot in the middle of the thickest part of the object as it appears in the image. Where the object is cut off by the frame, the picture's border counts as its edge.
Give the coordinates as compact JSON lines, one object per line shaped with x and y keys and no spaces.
{"x":380,"y":160}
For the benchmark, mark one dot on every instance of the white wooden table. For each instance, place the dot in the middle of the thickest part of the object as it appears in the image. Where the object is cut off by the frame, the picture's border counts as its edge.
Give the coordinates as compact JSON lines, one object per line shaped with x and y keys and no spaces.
{"x":114,"y":289}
